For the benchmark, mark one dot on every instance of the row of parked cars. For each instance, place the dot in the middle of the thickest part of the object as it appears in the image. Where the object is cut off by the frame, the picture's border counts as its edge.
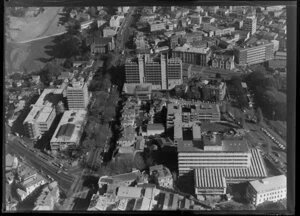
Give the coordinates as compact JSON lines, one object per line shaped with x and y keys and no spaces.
{"x":279,"y":145}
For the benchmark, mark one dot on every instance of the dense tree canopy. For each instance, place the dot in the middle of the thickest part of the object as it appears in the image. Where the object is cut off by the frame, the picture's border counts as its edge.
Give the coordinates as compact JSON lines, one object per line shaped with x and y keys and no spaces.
{"x":50,"y":72}
{"x":267,"y":95}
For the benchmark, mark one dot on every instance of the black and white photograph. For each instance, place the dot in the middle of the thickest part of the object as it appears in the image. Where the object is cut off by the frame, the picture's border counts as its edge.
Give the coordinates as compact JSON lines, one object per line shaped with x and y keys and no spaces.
{"x":146,"y":108}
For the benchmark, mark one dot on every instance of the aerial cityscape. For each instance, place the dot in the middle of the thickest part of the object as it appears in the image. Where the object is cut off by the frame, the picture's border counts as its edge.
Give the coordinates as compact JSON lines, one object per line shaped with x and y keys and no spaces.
{"x":145,"y":108}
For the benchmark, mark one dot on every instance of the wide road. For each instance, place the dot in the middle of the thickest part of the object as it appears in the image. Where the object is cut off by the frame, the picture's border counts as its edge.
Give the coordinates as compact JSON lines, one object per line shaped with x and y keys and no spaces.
{"x":120,"y":43}
{"x":259,"y":139}
{"x":64,"y":180}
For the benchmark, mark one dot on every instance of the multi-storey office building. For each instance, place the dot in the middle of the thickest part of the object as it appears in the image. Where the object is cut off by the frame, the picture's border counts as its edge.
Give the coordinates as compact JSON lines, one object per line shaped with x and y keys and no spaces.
{"x":192,"y":55}
{"x":39,"y":120}
{"x":41,"y":115}
{"x":68,"y":131}
{"x":255,"y":54}
{"x":190,"y":112}
{"x":154,"y":73}
{"x":174,"y":72}
{"x":213,"y":181}
{"x":162,"y":73}
{"x":250,"y":24}
{"x":77,"y":95}
{"x":210,"y":152}
{"x":267,"y":189}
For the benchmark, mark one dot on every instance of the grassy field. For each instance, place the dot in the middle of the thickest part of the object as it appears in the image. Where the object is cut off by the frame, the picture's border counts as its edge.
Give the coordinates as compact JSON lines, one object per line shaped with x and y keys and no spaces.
{"x":26,"y":57}
{"x":26,"y":28}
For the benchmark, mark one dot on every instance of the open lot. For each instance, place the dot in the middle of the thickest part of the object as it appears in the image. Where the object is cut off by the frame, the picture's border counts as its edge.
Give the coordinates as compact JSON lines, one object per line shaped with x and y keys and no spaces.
{"x":26,"y":57}
{"x":27,"y":28}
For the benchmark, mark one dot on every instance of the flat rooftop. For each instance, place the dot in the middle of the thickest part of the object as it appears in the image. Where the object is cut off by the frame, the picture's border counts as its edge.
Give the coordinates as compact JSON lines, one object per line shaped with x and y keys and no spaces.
{"x":129,"y":192}
{"x":40,"y":101}
{"x":131,"y":88}
{"x":155,"y":127}
{"x":256,"y":170}
{"x":69,"y":127}
{"x":39,"y":114}
{"x":235,"y":146}
{"x":269,"y":184}
{"x":120,"y":178}
{"x":186,"y":48}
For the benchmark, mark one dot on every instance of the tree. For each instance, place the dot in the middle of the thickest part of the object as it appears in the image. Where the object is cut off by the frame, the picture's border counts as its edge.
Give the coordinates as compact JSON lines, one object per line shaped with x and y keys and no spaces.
{"x":271,"y":206}
{"x":93,"y":29}
{"x":16,"y":76}
{"x":139,"y":162}
{"x":73,"y":27}
{"x":68,"y":63}
{"x":224,"y":107}
{"x":50,"y":72}
{"x":218,"y":76}
{"x":242,"y":120}
{"x":88,"y":144}
{"x":259,"y":115}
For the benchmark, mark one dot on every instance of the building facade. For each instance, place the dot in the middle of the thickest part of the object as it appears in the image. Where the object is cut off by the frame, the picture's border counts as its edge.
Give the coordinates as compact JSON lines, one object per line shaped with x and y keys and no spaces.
{"x":213,"y":181}
{"x":192,"y":55}
{"x":77,"y":95}
{"x":267,"y":189}
{"x":250,"y":24}
{"x":69,"y":130}
{"x":42,"y":114}
{"x":222,"y":62}
{"x":255,"y":54}
{"x":161,"y":73}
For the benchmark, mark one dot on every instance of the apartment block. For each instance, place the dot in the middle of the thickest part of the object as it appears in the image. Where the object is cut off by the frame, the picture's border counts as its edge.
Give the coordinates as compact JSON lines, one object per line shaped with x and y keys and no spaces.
{"x":250,"y":24}
{"x":77,"y":95}
{"x":255,"y":54}
{"x":267,"y":189}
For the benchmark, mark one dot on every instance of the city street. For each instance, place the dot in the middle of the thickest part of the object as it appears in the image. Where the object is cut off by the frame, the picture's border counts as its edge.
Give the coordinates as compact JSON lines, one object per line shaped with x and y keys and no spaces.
{"x":64,"y":180}
{"x":259,"y":139}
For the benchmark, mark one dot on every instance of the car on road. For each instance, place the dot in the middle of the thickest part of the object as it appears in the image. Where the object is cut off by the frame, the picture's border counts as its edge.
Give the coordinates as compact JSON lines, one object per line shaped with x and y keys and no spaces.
{"x":59,"y":171}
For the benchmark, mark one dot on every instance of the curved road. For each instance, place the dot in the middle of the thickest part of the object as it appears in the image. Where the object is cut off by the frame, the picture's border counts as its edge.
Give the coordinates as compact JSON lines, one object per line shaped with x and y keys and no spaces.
{"x":83,"y":26}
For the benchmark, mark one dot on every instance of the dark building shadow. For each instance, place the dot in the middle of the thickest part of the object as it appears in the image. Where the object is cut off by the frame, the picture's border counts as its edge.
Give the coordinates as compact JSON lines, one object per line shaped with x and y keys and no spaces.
{"x":185,"y":183}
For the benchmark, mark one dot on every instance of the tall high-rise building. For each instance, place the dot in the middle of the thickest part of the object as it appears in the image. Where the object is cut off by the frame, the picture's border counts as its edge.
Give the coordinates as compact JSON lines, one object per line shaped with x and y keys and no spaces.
{"x":77,"y":95}
{"x":132,"y":71}
{"x":174,"y":72}
{"x":162,"y":73}
{"x":250,"y":24}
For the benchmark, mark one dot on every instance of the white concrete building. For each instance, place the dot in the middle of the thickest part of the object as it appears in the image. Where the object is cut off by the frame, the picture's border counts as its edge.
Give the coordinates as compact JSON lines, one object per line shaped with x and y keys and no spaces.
{"x":268,"y":189}
{"x":69,"y":130}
